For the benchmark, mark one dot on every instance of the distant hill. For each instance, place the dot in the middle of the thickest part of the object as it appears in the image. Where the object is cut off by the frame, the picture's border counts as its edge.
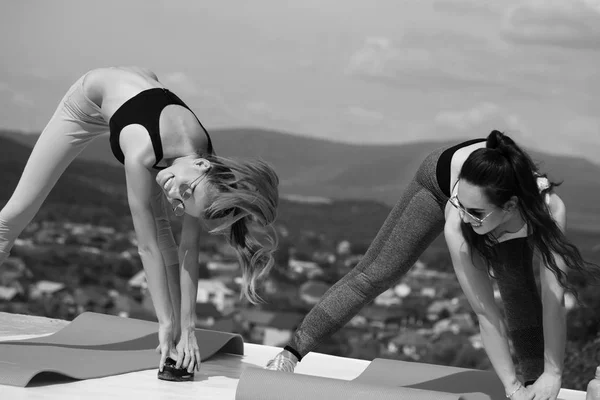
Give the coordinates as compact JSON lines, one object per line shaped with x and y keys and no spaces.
{"x":95,"y":192}
{"x":320,"y":168}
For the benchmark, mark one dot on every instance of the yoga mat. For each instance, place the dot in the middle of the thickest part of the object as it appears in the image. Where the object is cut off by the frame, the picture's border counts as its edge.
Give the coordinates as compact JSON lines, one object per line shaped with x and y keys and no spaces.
{"x":262,"y":384}
{"x":382,"y":379}
{"x":96,"y":345}
{"x":471,"y":384}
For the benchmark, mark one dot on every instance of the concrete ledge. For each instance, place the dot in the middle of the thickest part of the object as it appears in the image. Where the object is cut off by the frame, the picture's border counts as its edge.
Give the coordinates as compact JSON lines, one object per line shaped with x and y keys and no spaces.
{"x":21,"y":325}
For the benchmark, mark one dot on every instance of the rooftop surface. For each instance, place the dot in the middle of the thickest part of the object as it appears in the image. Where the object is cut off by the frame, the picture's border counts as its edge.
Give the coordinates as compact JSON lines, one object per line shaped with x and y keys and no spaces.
{"x":217,"y":379}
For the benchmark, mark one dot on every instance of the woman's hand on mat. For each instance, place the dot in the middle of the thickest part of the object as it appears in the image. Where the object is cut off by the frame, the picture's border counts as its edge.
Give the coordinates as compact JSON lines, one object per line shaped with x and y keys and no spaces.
{"x":188,"y":353}
{"x":166,"y":345}
{"x":546,"y":387}
{"x":284,"y":361}
{"x":522,"y":394}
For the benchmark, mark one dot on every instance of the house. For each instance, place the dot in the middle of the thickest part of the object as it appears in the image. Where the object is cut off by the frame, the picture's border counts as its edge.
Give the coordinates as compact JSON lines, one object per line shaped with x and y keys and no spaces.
{"x":45,"y":289}
{"x":441,"y":309}
{"x":455,"y":324}
{"x":92,"y":298}
{"x":312,"y":291}
{"x":428,"y":292}
{"x":324,"y":257}
{"x":358,"y":321}
{"x":387,"y":298}
{"x":402,"y":290}
{"x":281,"y":328}
{"x":352,"y":260}
{"x":303,"y":267}
{"x":215,"y":292}
{"x":410,"y":343}
{"x":385,"y":317}
{"x":138,"y":281}
{"x":223,"y":266}
{"x":270,"y":328}
{"x":8,"y":294}
{"x":344,"y":248}
{"x":14,"y":271}
{"x":476,"y":341}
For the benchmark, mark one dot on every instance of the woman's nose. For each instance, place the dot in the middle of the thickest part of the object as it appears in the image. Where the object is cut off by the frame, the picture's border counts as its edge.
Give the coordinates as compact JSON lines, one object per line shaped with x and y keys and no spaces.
{"x":465,"y":218}
{"x":174,"y":192}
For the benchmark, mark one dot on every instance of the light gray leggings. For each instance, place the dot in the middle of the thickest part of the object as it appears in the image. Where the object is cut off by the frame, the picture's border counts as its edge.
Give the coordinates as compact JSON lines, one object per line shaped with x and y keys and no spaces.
{"x":75,"y":123}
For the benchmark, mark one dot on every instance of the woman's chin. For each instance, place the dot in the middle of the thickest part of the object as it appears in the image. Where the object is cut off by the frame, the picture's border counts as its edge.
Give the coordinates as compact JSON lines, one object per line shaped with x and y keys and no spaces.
{"x":479,"y":230}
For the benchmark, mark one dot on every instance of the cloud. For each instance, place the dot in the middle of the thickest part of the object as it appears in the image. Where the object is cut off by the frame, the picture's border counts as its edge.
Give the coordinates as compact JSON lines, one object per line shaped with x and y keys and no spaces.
{"x":463,"y":120}
{"x":364,"y":115}
{"x":482,"y":118}
{"x":582,"y":128}
{"x":564,"y":23}
{"x":260,"y":108}
{"x":259,"y":111}
{"x":180,"y":83}
{"x":40,"y":73}
{"x":462,"y":7}
{"x":381,"y":57}
{"x":579,"y":135}
{"x":16,"y":97}
{"x":22,"y":100}
{"x":421,"y":64}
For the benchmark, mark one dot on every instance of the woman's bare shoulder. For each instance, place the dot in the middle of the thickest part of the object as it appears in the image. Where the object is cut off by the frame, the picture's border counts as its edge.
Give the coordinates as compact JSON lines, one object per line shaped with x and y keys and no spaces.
{"x":452,"y":229}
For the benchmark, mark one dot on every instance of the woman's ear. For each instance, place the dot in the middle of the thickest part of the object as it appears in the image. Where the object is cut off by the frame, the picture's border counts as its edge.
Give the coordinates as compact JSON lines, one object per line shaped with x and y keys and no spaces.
{"x":203,"y":163}
{"x":512,"y":204}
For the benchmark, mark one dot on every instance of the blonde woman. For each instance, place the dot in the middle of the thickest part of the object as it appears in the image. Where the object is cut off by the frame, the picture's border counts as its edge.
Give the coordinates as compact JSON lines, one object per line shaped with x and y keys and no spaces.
{"x":168,"y":159}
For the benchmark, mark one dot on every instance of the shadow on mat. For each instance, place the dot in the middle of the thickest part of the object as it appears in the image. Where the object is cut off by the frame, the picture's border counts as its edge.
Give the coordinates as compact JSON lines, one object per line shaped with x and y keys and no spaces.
{"x":225,"y":365}
{"x":49,"y":378}
{"x":470,"y":383}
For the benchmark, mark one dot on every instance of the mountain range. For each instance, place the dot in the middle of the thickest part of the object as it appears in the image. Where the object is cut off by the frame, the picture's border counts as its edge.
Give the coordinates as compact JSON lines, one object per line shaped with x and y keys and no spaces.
{"x":311,"y":168}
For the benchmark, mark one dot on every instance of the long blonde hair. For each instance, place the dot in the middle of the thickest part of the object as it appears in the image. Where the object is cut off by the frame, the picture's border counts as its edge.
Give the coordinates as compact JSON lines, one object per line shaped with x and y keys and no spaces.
{"x":245,"y":192}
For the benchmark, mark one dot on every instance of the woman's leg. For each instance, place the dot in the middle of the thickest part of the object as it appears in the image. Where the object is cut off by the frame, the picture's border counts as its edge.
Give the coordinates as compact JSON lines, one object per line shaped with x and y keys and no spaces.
{"x":415,"y":221}
{"x":67,"y":133}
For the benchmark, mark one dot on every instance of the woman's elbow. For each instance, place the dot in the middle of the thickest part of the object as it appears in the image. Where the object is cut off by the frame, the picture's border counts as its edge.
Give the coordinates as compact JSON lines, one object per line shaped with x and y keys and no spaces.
{"x":147,"y":250}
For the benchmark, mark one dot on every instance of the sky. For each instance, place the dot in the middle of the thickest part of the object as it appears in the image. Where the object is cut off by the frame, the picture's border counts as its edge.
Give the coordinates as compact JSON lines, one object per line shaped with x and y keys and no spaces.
{"x":366,"y":72}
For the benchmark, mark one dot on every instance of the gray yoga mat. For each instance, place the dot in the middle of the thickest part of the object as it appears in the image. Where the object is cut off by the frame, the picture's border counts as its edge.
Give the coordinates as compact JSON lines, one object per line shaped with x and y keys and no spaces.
{"x":469,"y":383}
{"x":382,"y":379}
{"x":261,"y":384}
{"x":96,"y":345}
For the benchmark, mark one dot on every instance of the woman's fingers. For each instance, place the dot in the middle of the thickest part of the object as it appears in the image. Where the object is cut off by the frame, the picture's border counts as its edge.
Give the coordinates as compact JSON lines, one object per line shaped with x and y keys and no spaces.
{"x":163,"y":358}
{"x":197,"y":352}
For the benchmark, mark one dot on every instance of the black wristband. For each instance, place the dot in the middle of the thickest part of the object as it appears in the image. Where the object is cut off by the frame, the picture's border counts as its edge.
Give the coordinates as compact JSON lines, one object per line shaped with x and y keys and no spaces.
{"x":293,"y":351}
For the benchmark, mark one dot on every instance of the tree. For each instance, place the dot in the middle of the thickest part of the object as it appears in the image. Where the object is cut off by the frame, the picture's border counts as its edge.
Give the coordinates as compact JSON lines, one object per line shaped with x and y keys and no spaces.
{"x":580,"y":364}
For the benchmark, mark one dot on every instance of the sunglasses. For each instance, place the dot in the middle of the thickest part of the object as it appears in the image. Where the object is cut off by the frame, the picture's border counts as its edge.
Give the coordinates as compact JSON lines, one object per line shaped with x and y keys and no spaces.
{"x":477,"y":222}
{"x":186,"y":191}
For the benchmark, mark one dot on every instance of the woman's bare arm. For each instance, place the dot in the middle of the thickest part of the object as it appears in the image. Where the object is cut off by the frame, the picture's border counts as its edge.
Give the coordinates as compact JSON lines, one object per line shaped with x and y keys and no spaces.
{"x":554,"y":314}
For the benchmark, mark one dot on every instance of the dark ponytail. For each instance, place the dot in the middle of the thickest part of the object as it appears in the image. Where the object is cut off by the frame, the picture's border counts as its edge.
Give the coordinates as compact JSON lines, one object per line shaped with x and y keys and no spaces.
{"x":504,"y":170}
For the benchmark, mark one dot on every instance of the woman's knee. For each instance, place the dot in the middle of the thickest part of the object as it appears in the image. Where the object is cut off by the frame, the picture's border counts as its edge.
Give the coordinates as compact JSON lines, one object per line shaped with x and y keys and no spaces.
{"x":16,"y":216}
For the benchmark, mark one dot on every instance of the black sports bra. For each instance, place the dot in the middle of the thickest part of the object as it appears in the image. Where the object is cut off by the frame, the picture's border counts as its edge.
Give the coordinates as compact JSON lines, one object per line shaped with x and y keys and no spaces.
{"x":145,"y":109}
{"x":443,"y":165}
